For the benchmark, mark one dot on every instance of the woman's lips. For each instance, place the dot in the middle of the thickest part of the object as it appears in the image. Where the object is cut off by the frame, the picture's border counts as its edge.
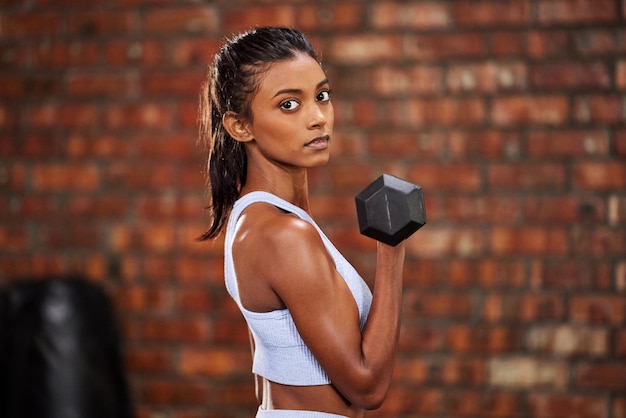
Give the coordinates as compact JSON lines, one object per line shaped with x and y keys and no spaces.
{"x":318,"y":143}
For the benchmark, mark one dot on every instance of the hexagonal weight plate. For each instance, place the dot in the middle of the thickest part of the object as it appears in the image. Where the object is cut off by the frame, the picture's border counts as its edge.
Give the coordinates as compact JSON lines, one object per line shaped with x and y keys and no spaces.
{"x":390,"y":209}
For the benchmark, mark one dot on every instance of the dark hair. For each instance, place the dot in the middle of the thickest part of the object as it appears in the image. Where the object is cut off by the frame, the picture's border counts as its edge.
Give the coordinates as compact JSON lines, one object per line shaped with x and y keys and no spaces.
{"x":231,"y":81}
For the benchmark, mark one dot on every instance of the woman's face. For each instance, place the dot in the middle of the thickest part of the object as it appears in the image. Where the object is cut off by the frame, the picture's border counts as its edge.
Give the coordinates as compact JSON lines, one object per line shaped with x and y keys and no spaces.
{"x":292,"y":115}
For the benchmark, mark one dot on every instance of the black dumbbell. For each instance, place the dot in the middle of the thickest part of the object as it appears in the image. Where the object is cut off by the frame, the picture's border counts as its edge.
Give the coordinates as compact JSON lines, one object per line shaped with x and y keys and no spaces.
{"x":390,"y":209}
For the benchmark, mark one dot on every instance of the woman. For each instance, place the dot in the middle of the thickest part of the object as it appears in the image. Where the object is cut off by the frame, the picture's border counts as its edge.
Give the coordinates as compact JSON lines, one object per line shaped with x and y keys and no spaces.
{"x":323,"y":343}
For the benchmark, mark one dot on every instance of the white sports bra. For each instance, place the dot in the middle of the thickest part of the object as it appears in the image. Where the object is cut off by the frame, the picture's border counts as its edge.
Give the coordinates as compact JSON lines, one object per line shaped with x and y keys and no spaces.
{"x":281,"y":355}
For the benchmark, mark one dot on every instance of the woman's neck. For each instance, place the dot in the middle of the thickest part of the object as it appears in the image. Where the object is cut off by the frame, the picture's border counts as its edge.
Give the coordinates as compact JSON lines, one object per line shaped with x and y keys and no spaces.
{"x":289,"y":185}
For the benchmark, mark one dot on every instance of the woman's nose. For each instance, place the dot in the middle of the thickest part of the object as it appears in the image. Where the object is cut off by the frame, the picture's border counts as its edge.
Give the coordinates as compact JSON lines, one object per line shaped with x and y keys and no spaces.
{"x":317,"y":118}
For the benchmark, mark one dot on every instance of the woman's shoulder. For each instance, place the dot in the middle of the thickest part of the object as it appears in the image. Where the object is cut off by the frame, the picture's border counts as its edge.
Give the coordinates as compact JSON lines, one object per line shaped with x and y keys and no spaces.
{"x":266,"y":223}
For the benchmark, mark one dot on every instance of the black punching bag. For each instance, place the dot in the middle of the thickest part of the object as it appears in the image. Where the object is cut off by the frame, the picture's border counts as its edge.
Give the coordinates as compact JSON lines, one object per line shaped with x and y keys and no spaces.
{"x":60,"y":354}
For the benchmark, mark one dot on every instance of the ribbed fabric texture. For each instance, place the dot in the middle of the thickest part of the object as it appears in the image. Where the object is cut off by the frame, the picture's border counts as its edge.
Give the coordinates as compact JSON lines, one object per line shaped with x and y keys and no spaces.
{"x":280,"y":353}
{"x":288,"y":413}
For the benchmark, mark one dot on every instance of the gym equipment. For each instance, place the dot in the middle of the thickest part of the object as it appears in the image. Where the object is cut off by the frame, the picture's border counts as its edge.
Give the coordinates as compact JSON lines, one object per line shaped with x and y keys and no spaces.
{"x":390,"y":209}
{"x":60,"y":352}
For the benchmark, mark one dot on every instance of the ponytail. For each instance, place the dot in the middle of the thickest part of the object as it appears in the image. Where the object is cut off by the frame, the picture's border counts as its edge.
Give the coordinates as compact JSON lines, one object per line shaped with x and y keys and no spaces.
{"x":231,"y":82}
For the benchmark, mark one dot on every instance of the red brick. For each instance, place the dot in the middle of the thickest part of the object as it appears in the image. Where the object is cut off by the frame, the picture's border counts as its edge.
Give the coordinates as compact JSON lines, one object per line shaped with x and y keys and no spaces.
{"x":619,"y":144}
{"x":523,"y":308}
{"x":540,"y":110}
{"x":157,"y":237}
{"x":59,"y":55}
{"x":180,"y":83}
{"x":331,"y":16}
{"x":461,"y":177}
{"x":599,"y":176}
{"x":144,"y":299}
{"x":487,"y":77}
{"x":620,"y":277}
{"x":598,"y":109}
{"x":492,"y":144}
{"x":168,"y":392}
{"x":445,"y":46}
{"x":527,"y":176}
{"x":167,"y":206}
{"x":57,"y":177}
{"x":13,"y":238}
{"x":419,"y":304}
{"x":569,"y":341}
{"x":564,"y":209}
{"x":63,"y":235}
{"x":145,"y":176}
{"x":617,"y":210}
{"x":420,"y":80}
{"x":156,"y":268}
{"x":148,"y":360}
{"x":146,"y":116}
{"x":233,"y":394}
{"x":97,"y":207}
{"x":529,"y":240}
{"x":200,"y":270}
{"x":86,"y":145}
{"x":192,"y":52}
{"x":240,"y":19}
{"x":491,"y":13}
{"x":474,"y":209}
{"x":507,"y":44}
{"x":456,"y":371}
{"x":465,"y":274}
{"x":88,"y":24}
{"x":423,"y":16}
{"x":37,"y":206}
{"x":181,"y":330}
{"x":41,"y":144}
{"x":574,"y":406}
{"x":599,"y":241}
{"x":605,"y":309}
{"x":449,"y":111}
{"x":481,"y":403}
{"x":197,"y":300}
{"x":421,"y":338}
{"x":120,"y":53}
{"x":406,"y":401}
{"x":401,"y":144}
{"x":101,"y":86}
{"x":620,"y":343}
{"x":190,"y":19}
{"x":567,"y":143}
{"x":64,"y":116}
{"x":619,"y":403}
{"x":215,"y":362}
{"x":413,"y":371}
{"x":28,"y":25}
{"x":547,"y":44}
{"x":527,"y":372}
{"x":365,"y":49}
{"x":571,"y":12}
{"x":601,"y":376}
{"x":571,"y":275}
{"x":483,"y":340}
{"x":593,"y":42}
{"x":620,"y":75}
{"x":568,"y":75}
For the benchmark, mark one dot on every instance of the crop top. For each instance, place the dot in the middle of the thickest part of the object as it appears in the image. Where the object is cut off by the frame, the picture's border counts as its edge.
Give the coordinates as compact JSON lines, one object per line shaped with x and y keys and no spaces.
{"x":280,"y":354}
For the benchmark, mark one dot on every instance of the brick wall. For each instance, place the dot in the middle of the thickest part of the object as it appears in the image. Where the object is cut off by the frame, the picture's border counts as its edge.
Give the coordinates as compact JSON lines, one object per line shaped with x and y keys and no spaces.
{"x":511,"y":114}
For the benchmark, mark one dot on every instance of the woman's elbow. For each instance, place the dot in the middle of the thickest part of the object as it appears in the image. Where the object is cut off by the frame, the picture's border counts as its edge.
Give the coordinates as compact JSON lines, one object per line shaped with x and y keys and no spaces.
{"x":370,"y":396}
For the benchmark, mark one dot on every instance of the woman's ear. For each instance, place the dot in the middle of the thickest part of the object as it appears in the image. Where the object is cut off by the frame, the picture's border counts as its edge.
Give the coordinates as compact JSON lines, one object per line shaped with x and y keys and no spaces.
{"x":236,"y":127}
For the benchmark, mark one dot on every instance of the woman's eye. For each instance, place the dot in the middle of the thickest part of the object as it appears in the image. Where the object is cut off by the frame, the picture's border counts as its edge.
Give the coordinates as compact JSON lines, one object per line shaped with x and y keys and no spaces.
{"x":323,"y":96}
{"x":289,"y":105}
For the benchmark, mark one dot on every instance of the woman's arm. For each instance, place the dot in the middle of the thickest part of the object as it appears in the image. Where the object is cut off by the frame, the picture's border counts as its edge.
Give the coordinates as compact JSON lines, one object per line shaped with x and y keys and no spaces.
{"x":289,"y":254}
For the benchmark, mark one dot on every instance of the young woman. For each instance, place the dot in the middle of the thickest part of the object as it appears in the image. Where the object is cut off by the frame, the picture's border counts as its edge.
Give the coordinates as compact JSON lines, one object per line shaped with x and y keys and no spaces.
{"x":324,"y":344}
